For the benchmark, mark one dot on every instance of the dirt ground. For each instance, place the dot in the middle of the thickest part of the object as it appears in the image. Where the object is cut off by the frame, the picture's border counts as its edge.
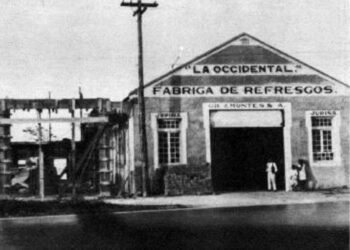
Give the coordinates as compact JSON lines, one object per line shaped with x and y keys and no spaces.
{"x":237,"y":199}
{"x":32,"y":206}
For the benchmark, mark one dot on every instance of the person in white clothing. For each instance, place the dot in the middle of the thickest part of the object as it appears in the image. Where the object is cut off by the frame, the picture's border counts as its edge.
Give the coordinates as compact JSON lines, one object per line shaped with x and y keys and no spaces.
{"x":302,"y":174}
{"x":271,"y":170}
{"x":294,"y":178}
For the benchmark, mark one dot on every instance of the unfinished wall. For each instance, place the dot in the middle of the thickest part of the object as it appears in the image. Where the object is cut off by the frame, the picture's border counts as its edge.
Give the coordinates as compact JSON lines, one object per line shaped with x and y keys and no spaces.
{"x":5,"y":150}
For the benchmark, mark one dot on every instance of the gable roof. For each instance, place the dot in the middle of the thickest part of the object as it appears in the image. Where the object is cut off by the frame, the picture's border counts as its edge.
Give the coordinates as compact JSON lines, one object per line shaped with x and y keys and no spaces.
{"x":223,"y":48}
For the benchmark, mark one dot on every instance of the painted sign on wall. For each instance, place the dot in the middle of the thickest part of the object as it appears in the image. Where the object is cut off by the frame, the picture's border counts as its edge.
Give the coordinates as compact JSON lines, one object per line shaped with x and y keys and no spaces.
{"x":245,"y":105}
{"x":248,"y":90}
{"x":323,"y":113}
{"x":243,"y":69}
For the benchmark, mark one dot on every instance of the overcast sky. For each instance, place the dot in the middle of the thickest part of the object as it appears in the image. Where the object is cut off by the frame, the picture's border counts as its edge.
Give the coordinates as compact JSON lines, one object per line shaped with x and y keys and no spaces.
{"x":50,"y":45}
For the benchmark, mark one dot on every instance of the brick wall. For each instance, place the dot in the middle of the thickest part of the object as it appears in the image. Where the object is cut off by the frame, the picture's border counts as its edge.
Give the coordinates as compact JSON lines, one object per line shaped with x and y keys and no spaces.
{"x":185,"y":179}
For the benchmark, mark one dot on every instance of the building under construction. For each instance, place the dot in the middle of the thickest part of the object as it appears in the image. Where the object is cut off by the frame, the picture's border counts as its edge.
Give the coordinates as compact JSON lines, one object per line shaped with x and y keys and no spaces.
{"x":93,"y":164}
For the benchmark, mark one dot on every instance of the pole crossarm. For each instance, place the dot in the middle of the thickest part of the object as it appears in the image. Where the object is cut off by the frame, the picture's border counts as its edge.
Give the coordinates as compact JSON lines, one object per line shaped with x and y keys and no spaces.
{"x":136,"y":4}
{"x":141,"y":7}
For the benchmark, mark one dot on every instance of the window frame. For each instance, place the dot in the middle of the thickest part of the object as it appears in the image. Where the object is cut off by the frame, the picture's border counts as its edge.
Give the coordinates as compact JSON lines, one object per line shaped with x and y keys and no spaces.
{"x":182,"y":116}
{"x":325,"y":144}
{"x":335,"y":140}
{"x":169,"y":147}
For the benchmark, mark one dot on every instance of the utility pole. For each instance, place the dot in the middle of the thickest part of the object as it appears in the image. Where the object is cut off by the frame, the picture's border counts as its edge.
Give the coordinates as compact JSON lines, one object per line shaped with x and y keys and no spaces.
{"x":141,"y":8}
{"x":41,"y":159}
{"x":73,"y":152}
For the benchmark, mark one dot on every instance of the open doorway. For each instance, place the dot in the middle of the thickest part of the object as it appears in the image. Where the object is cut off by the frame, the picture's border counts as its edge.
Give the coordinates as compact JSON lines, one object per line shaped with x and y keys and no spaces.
{"x":239,"y":157}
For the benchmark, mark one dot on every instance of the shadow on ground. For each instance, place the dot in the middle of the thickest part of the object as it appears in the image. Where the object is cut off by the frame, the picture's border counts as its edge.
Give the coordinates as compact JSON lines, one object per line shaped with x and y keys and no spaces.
{"x":21,"y":208}
{"x":275,"y":227}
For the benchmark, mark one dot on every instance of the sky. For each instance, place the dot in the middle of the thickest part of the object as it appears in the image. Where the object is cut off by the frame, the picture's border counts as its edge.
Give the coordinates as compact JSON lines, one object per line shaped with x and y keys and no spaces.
{"x":57,"y":46}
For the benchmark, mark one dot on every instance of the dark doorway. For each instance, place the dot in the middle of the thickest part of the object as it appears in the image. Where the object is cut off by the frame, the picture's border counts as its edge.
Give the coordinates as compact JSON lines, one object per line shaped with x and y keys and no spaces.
{"x":239,"y":157}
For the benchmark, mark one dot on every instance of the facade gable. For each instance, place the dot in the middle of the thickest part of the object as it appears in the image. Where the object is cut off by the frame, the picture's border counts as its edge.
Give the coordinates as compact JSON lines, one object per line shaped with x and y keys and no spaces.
{"x":242,"y":61}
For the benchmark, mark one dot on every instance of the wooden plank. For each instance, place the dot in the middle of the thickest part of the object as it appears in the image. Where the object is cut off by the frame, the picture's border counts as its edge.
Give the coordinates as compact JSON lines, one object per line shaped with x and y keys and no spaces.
{"x":100,"y":119}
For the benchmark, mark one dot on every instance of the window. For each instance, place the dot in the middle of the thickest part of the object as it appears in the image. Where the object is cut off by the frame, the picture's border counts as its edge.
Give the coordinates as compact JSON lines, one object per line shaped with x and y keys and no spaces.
{"x":322,"y":149}
{"x":323,"y":137}
{"x":169,"y":131}
{"x":170,"y":138}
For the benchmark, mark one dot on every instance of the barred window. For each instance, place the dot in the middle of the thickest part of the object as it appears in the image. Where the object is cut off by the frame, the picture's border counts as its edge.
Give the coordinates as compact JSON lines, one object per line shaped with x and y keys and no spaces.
{"x":169,"y":141}
{"x":322,"y":149}
{"x":321,"y":121}
{"x":168,"y":123}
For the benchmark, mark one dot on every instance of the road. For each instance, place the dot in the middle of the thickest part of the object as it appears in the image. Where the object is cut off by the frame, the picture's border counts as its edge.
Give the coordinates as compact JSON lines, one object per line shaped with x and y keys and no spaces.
{"x":304,"y":226}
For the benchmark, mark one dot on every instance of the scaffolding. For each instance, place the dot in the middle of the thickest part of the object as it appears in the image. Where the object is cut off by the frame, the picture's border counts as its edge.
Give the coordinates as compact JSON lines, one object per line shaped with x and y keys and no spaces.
{"x":93,"y":160}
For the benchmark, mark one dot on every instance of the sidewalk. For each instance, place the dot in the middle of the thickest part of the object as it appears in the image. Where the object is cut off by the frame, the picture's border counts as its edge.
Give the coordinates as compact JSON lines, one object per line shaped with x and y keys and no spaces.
{"x":238,"y":199}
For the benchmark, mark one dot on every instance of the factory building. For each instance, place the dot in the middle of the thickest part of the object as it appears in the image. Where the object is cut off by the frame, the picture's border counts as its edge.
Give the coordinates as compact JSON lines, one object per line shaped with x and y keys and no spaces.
{"x":215,"y":121}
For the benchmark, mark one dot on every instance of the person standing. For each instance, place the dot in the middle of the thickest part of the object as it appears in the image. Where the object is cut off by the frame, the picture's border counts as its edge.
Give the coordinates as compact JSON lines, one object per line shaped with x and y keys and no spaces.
{"x":302,"y":174}
{"x":294,"y":178}
{"x":271,"y":170}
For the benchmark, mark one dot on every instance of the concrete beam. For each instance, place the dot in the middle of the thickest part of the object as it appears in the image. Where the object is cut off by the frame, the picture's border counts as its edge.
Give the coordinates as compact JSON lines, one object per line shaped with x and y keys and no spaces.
{"x":100,"y":119}
{"x":88,"y":103}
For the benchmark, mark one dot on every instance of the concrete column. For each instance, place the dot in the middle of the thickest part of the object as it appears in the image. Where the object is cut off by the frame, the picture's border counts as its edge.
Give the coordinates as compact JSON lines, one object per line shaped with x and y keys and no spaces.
{"x":105,"y":170}
{"x":113,"y":153}
{"x":5,"y":150}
